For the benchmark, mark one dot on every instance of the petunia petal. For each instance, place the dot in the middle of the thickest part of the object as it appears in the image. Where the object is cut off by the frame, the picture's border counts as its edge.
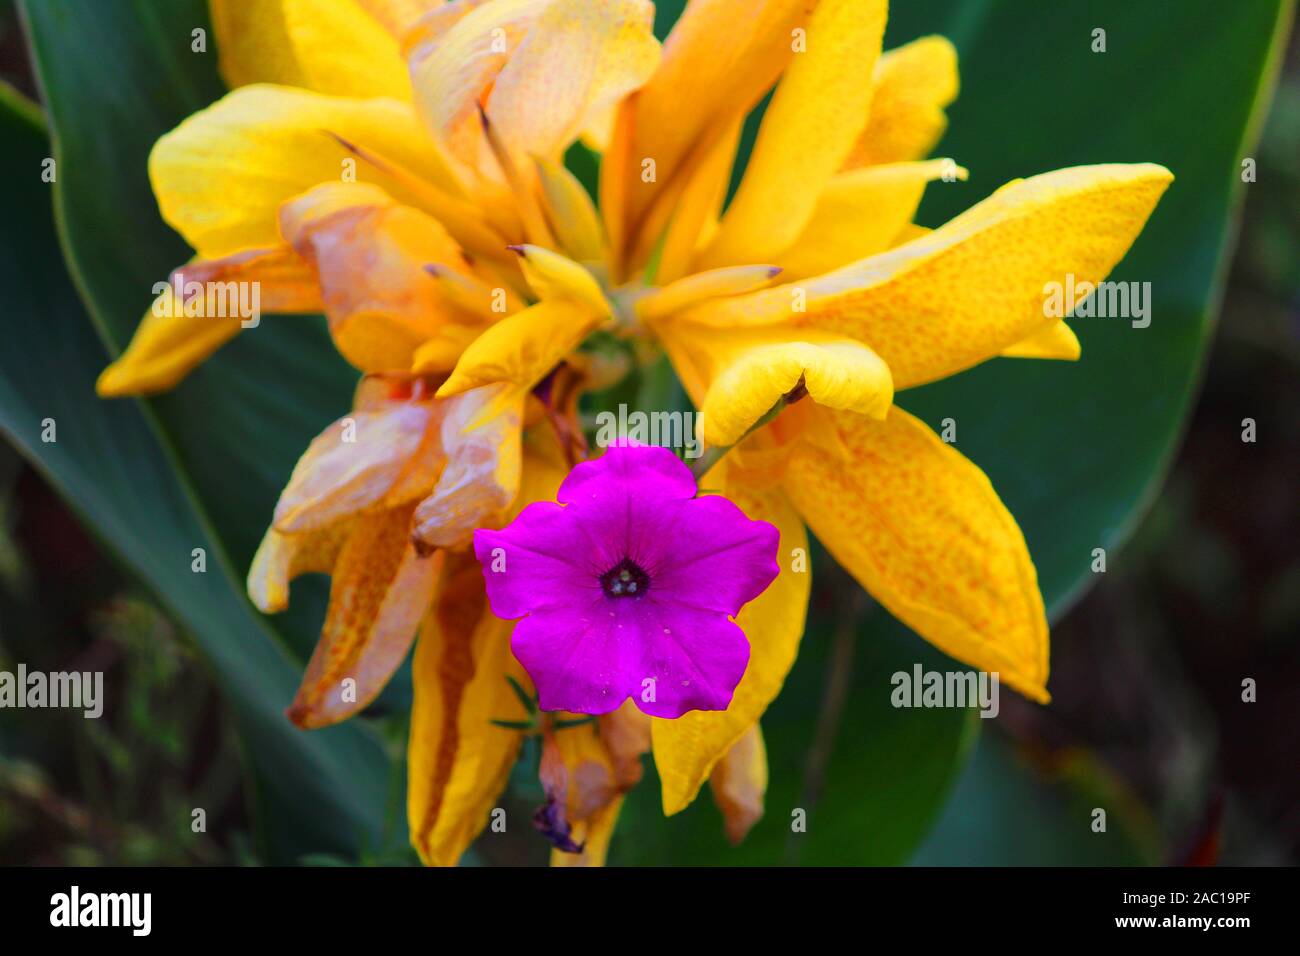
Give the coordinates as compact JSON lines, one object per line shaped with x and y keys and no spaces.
{"x":379,"y":589}
{"x":921,"y":528}
{"x":819,"y":108}
{"x":911,"y":86}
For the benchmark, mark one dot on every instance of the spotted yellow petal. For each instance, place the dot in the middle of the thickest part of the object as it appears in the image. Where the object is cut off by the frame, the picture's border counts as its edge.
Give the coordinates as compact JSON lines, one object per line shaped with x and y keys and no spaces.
{"x":920,"y":527}
{"x":222,"y":174}
{"x":380,"y":588}
{"x":1056,"y":342}
{"x":860,"y":213}
{"x":687,"y":749}
{"x":959,"y":295}
{"x":739,"y":783}
{"x":819,"y":108}
{"x":458,"y":761}
{"x":911,"y":87}
{"x":343,"y":50}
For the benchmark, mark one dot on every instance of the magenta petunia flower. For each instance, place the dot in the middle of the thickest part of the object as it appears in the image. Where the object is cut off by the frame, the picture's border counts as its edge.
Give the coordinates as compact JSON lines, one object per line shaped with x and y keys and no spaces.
{"x":627,"y":587}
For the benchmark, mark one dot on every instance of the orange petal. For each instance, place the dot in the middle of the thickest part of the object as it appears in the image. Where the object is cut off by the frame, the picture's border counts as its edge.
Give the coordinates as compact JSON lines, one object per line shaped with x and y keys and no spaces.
{"x":480,"y":436}
{"x":380,"y":589}
{"x":458,"y":760}
{"x":282,"y":557}
{"x":370,"y":254}
{"x":356,"y":464}
{"x":739,"y":782}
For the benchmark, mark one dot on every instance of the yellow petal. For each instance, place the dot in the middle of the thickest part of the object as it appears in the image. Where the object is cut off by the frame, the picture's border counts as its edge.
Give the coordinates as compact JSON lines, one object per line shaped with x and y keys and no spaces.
{"x":480,"y":436}
{"x":552,"y":276}
{"x":750,"y":370}
{"x":920,"y":527}
{"x":819,"y":108}
{"x":911,"y":86}
{"x":719,"y":59}
{"x":570,"y":212}
{"x":458,"y":761}
{"x":959,"y":295}
{"x":860,"y":213}
{"x":521,"y":349}
{"x":694,"y":289}
{"x":739,"y":782}
{"x":166,"y":346}
{"x":221,"y":175}
{"x":343,"y":47}
{"x":379,"y":590}
{"x":370,"y":254}
{"x":687,"y":749}
{"x":282,"y":557}
{"x":253,"y":43}
{"x":343,"y":50}
{"x":698,"y":209}
{"x":1057,"y":342}
{"x":356,"y":463}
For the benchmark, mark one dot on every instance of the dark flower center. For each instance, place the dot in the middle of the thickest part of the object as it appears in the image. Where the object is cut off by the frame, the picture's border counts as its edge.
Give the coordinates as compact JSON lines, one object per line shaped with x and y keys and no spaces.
{"x":625,"y":579}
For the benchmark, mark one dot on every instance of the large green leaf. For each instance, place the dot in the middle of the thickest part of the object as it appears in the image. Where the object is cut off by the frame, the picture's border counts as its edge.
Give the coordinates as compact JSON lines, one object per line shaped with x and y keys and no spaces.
{"x":115,"y":75}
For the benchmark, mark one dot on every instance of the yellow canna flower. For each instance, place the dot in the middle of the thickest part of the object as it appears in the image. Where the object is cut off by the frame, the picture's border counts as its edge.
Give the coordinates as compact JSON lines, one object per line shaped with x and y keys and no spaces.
{"x":398,"y":165}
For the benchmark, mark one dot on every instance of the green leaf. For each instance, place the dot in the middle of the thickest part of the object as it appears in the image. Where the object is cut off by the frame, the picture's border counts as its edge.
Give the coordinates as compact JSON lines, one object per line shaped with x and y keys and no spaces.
{"x":202,"y":466}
